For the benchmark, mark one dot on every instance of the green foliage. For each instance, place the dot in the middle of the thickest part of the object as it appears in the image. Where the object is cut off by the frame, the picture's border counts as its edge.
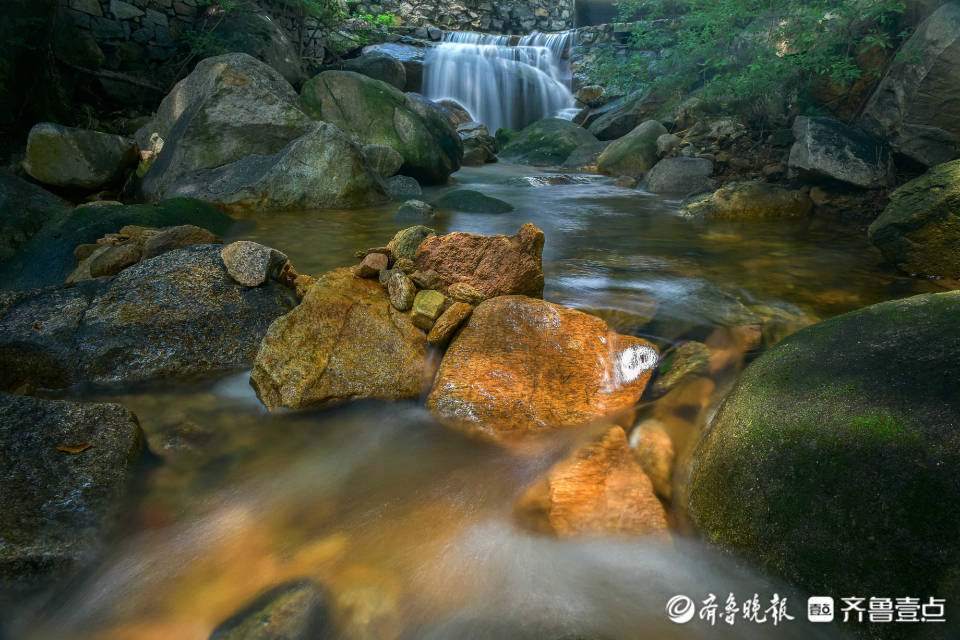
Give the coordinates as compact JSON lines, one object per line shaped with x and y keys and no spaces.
{"x":747,"y":55}
{"x":382,"y":20}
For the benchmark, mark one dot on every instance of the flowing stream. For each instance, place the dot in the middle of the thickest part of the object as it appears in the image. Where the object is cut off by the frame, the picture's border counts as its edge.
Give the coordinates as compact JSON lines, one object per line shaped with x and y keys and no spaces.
{"x":410,"y":525}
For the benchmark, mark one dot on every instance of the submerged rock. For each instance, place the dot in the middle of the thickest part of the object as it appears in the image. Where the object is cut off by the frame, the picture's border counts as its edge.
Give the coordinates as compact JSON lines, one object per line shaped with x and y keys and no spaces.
{"x":679,"y":363}
{"x":344,"y":341}
{"x":919,"y":231}
{"x":546,"y":142}
{"x":751,"y":201}
{"x":65,"y":467}
{"x":635,"y":153}
{"x":291,"y":611}
{"x":493,"y":265}
{"x":827,"y":148}
{"x":834,"y":460}
{"x":522,"y":365}
{"x":472,"y":201}
{"x":554,"y":180}
{"x":77,"y":158}
{"x":600,"y":490}
{"x":656,"y":454}
{"x":415,"y":211}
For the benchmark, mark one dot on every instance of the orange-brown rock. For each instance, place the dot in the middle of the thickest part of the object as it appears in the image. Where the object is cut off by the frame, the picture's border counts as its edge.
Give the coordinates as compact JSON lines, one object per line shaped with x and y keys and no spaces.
{"x":493,"y":265}
{"x":601,"y":490}
{"x":522,"y":365}
{"x":344,"y":341}
{"x":448,"y":323}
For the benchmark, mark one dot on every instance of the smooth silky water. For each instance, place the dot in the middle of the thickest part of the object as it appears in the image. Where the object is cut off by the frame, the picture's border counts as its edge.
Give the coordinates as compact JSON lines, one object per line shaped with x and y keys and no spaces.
{"x":409,"y":524}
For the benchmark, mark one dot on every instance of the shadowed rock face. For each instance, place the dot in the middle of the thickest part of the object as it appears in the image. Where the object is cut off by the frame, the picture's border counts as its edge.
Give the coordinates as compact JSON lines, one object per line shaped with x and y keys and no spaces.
{"x":828,"y":149}
{"x":344,"y":341}
{"x":522,"y":365}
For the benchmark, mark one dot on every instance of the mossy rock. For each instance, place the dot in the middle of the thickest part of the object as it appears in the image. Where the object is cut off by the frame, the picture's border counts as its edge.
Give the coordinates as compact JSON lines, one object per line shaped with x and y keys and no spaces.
{"x":749,"y":201}
{"x":546,"y":142}
{"x":635,"y":153}
{"x":834,"y":462}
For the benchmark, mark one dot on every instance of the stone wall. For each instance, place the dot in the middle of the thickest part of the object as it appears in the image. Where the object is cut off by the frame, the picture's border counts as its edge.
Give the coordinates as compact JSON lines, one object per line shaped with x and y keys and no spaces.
{"x":495,"y":16}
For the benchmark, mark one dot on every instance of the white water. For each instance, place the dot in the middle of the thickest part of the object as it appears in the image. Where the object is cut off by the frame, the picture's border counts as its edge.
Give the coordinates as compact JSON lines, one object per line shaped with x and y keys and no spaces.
{"x":502,"y":85}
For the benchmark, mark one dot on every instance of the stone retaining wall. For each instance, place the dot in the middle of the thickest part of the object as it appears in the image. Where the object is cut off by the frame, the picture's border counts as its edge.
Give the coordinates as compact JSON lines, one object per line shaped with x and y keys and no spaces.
{"x":495,"y":16}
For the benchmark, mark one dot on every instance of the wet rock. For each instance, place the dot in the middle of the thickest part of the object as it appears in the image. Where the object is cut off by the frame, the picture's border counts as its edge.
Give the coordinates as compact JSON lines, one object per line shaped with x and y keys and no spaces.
{"x":479,"y":146}
{"x":415,"y":211}
{"x":626,"y":182}
{"x":250,"y":263}
{"x":635,"y":153}
{"x":372,"y":265}
{"x":402,"y":291}
{"x":679,"y":363}
{"x":176,"y":315}
{"x":66,"y":465}
{"x":585,"y":157}
{"x":374,"y":112}
{"x":322,"y":169}
{"x":654,"y":450}
{"x":588,"y":94}
{"x":291,"y":611}
{"x":24,"y":209}
{"x":522,"y":365}
{"x":383,"y":159}
{"x":463,"y":292}
{"x":404,"y":187}
{"x":472,"y":202}
{"x":547,"y":142}
{"x":427,"y":307}
{"x":493,"y":265}
{"x":680,"y":176}
{"x":828,"y":149}
{"x":457,"y":113}
{"x":77,"y":158}
{"x":448,"y":323}
{"x":600,"y":490}
{"x":406,"y":242}
{"x":344,"y":341}
{"x":377,"y":65}
{"x":919,"y":231}
{"x":411,"y":57}
{"x":834,"y":460}
{"x":620,"y":118}
{"x":751,"y":201}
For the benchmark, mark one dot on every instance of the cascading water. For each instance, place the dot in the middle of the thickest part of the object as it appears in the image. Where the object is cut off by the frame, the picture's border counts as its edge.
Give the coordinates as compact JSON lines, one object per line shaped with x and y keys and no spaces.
{"x":499,"y":84}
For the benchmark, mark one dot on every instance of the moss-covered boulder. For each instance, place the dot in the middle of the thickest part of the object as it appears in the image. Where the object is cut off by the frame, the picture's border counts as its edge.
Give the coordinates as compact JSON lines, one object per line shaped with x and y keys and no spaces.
{"x":374,"y":112}
{"x":77,"y":158}
{"x":744,"y":201}
{"x":635,"y":153}
{"x":834,"y":461}
{"x":919,"y":231}
{"x":548,"y":142}
{"x":24,"y":209}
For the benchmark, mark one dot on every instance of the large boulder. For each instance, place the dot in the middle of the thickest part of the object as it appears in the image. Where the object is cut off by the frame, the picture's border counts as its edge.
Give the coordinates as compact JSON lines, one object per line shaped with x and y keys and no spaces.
{"x":619,"y":118}
{"x":377,"y":65}
{"x":547,"y":142}
{"x":828,"y":149}
{"x":746,"y":201}
{"x":917,"y":104}
{"x":834,"y":460}
{"x":24,"y":209}
{"x":374,"y":112}
{"x":680,"y":176}
{"x":344,"y":341}
{"x":585,"y":157}
{"x":48,"y":257}
{"x":66,"y":465}
{"x":77,"y":158}
{"x":493,"y":265}
{"x":230,"y":107}
{"x":177,"y":315}
{"x":411,"y":57}
{"x":522,"y":366}
{"x":919,"y":231}
{"x":635,"y":153}
{"x":322,"y":169}
{"x":599,"y":490}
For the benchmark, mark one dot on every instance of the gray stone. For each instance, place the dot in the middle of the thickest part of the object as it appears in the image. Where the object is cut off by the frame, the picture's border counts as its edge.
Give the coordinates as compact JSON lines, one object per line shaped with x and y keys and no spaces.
{"x":404,"y":187}
{"x":667,"y":143}
{"x":402,"y":291}
{"x":411,"y":57}
{"x":828,"y":149}
{"x":680,"y":176}
{"x":376,"y":65}
{"x":124,"y":11}
{"x":415,"y":211}
{"x":635,"y":153}
{"x":622,"y":117}
{"x":472,"y":201}
{"x":383,"y":159}
{"x":77,"y":158}
{"x":250,"y":263}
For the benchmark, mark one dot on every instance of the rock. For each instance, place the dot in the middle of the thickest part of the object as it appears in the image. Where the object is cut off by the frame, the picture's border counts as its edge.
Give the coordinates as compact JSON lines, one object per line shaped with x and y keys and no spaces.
{"x":547,"y":142}
{"x":635,"y":153}
{"x":667,"y":144}
{"x":522,"y":366}
{"x":77,"y":158}
{"x":919,"y":231}
{"x":66,"y":466}
{"x":626,"y":182}
{"x":457,"y":113}
{"x":178,"y":237}
{"x":751,"y":201}
{"x":479,"y":146}
{"x":588,"y":94}
{"x":428,"y":279}
{"x":374,"y":112}
{"x":828,"y":149}
{"x":586,"y":156}
{"x":654,"y":450}
{"x":402,"y":291}
{"x":174,"y":316}
{"x":405,"y":243}
{"x":344,"y":341}
{"x":622,"y":117}
{"x":114,"y":260}
{"x":251,"y":264}
{"x":411,"y":57}
{"x":376,"y":65}
{"x":384,"y":160}
{"x":680,"y":176}
{"x":404,"y":188}
{"x":600,"y":490}
{"x":916,"y":107}
{"x":463,"y":292}
{"x":322,"y":169}
{"x":405,"y":265}
{"x":448,"y":323}
{"x":415,"y":211}
{"x":291,"y":611}
{"x":372,"y":265}
{"x":493,"y":265}
{"x":679,"y":363}
{"x":554,"y":180}
{"x":230,"y":107}
{"x":427,"y":307}
{"x":472,"y":201}
{"x":52,"y":246}
{"x":24,"y":209}
{"x":834,"y":460}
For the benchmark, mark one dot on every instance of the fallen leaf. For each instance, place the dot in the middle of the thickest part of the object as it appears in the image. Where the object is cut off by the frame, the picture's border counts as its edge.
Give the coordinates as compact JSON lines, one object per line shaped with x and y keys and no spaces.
{"x":76,"y":448}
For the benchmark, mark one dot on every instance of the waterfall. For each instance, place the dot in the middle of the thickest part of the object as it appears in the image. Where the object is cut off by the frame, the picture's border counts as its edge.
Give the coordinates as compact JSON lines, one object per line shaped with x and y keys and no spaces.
{"x":499,"y":83}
